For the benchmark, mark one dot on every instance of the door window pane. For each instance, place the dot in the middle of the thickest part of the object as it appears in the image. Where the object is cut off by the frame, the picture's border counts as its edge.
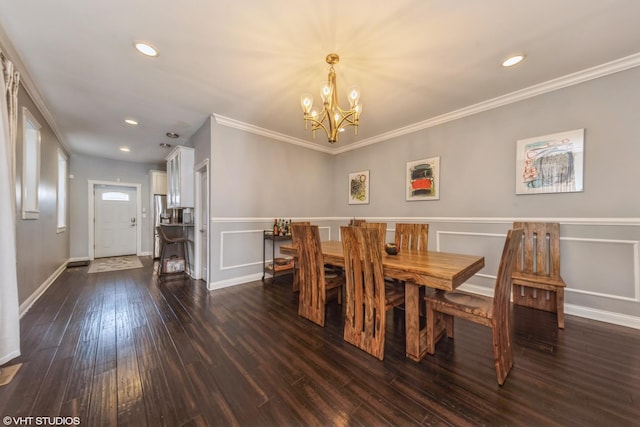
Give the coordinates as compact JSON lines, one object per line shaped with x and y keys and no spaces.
{"x":115,"y":196}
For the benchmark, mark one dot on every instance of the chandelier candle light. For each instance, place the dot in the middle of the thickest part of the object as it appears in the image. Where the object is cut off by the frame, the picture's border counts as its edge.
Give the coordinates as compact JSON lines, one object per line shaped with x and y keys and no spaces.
{"x":332,"y":119}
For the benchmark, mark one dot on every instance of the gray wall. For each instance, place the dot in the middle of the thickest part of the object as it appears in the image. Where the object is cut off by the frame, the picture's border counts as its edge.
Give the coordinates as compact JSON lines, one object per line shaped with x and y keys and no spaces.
{"x":41,"y":250}
{"x":201,"y":142}
{"x":600,"y":227}
{"x":255,"y":179}
{"x":477,"y":158}
{"x":85,"y":169}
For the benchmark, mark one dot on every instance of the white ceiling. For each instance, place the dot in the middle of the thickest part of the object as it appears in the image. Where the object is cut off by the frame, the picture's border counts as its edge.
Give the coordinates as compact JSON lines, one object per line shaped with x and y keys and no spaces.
{"x":250,"y":60}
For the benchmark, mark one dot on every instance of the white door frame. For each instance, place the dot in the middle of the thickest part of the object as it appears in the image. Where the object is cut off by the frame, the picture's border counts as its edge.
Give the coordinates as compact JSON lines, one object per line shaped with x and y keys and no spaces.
{"x":201,"y":168}
{"x":91,"y":215}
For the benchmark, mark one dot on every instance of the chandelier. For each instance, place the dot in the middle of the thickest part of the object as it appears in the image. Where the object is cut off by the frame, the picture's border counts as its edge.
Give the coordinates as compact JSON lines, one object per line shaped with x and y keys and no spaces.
{"x":332,"y":119}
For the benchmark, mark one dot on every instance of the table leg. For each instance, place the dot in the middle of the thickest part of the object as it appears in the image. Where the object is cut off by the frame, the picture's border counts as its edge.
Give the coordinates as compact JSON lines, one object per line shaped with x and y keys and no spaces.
{"x":415,"y":338}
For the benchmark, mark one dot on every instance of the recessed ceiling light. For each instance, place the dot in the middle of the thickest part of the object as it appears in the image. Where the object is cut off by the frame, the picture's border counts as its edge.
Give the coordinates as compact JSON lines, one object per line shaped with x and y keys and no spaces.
{"x":165,"y":145}
{"x":513,"y":60}
{"x":146,"y":49}
{"x":172,"y":135}
{"x":131,"y":122}
{"x":125,"y":149}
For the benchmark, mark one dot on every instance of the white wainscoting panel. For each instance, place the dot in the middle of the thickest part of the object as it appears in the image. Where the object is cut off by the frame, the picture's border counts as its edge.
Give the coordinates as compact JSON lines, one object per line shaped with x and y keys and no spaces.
{"x":600,"y":256}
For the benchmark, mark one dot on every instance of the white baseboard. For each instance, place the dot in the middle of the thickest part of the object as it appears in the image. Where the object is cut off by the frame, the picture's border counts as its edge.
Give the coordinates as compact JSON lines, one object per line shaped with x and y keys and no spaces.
{"x":574,"y":310}
{"x":603,"y":316}
{"x":234,"y":281}
{"x":26,"y":305}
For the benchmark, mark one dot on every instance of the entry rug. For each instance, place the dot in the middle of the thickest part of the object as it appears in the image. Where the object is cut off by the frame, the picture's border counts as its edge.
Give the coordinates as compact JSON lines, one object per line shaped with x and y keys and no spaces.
{"x":101,"y":265}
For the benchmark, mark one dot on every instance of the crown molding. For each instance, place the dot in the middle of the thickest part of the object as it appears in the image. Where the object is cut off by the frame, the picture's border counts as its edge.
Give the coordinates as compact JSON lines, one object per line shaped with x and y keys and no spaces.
{"x":578,"y":77}
{"x":28,"y":84}
{"x":582,"y":76}
{"x":236,"y":124}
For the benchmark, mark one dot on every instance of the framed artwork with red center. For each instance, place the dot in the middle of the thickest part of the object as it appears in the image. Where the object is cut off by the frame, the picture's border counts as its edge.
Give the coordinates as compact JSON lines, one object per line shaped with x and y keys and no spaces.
{"x":423,"y":179}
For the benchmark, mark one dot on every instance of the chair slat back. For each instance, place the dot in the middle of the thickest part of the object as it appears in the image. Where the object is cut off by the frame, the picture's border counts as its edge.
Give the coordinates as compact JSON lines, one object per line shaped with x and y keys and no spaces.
{"x":502,"y":290}
{"x":293,"y":226}
{"x":295,"y":286}
{"x":412,"y":236}
{"x":312,"y":297}
{"x":539,"y":252}
{"x":357,"y":222}
{"x":380,"y":228}
{"x":365,"y":317}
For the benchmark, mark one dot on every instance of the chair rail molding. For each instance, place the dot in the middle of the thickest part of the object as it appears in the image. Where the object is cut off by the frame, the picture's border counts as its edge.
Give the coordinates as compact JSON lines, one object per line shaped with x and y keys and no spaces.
{"x":226,"y":235}
{"x":601,"y":265}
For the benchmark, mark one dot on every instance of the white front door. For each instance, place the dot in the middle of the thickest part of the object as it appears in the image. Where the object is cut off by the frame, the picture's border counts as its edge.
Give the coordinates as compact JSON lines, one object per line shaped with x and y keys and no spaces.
{"x":115,"y":221}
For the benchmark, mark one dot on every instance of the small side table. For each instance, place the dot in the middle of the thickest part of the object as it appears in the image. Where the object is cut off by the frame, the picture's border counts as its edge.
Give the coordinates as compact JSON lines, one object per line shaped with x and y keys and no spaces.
{"x":272,"y":269}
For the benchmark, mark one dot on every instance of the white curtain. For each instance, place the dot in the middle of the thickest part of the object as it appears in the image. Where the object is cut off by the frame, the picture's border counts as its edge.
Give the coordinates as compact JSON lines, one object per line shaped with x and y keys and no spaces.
{"x":9,"y":309}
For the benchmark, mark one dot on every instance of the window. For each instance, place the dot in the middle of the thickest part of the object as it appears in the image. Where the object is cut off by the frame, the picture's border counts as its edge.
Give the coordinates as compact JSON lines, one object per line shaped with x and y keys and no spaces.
{"x":115,"y":196}
{"x":30,"y":165}
{"x":62,"y":191}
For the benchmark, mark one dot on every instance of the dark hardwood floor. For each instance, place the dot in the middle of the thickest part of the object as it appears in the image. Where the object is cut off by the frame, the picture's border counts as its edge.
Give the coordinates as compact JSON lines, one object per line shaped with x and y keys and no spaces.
{"x":118,"y":349}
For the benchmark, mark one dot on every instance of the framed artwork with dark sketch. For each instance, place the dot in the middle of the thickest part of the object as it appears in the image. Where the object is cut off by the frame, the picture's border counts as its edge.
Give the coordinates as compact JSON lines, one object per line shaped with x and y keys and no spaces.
{"x":359,"y":188}
{"x":550,"y":163}
{"x":423,"y":179}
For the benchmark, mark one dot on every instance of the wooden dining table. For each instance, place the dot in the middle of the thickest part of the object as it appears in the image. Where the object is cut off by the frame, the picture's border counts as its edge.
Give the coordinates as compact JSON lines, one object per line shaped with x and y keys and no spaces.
{"x":438,"y":270}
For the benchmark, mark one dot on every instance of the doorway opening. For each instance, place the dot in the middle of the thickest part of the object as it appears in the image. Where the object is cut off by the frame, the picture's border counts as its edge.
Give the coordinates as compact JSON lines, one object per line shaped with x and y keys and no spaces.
{"x":201,"y":222}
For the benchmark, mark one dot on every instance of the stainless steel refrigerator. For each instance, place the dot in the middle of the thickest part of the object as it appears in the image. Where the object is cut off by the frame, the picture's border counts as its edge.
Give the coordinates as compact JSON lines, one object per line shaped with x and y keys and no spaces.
{"x":159,"y":213}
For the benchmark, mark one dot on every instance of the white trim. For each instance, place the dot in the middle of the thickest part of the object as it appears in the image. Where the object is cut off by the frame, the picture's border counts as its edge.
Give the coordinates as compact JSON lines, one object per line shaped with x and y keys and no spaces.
{"x":28,"y":84}
{"x":26,"y":305}
{"x":266,"y":219}
{"x":464,"y":233}
{"x":633,"y":222}
{"x":603,"y":316}
{"x":236,"y":124}
{"x":571,"y":309}
{"x":636,"y":263}
{"x":234,"y":281}
{"x":582,"y":76}
{"x":200,"y":168}
{"x":222,"y":234}
{"x":252,"y":263}
{"x":91,"y":186}
{"x":578,"y":77}
{"x":636,"y":268}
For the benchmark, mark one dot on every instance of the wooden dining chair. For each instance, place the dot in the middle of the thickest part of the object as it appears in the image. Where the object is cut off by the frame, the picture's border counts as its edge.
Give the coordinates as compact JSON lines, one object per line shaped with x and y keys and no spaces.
{"x":536,"y":277}
{"x":412,"y":236}
{"x":314,"y":286}
{"x":380,"y":228}
{"x":415,"y":237}
{"x":296,"y":268}
{"x":367,"y":296}
{"x":442,"y":307}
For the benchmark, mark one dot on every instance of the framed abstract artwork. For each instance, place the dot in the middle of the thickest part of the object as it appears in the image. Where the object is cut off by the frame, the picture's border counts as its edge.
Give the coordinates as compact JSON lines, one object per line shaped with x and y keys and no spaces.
{"x":423,"y":179}
{"x":550,"y":163}
{"x":359,"y":188}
